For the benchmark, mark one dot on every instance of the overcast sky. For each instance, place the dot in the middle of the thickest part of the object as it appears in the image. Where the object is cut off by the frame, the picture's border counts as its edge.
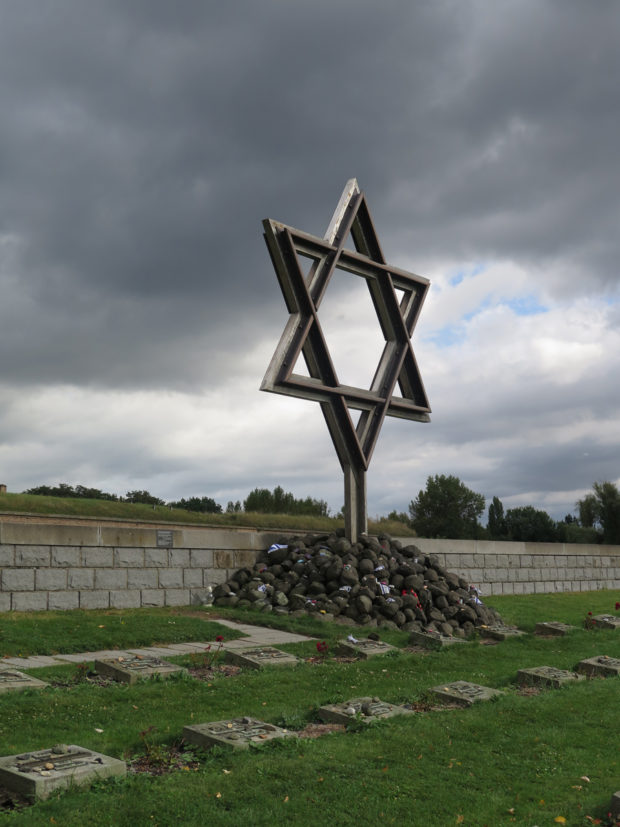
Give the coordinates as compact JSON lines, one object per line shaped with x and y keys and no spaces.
{"x":142,"y":142}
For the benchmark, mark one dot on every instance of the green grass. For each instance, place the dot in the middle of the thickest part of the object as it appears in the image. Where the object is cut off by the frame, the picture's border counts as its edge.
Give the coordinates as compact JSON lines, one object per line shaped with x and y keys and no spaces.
{"x":518,"y":760}
{"x":48,"y":633}
{"x":104,"y":509}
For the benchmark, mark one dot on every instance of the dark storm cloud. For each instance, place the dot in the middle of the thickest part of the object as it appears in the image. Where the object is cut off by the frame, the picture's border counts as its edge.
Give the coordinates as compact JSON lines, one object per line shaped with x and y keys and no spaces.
{"x":142,"y":144}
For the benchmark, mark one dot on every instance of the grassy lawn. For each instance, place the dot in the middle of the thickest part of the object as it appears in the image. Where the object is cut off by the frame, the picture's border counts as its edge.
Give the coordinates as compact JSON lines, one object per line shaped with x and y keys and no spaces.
{"x":522,"y":759}
{"x":49,"y":633}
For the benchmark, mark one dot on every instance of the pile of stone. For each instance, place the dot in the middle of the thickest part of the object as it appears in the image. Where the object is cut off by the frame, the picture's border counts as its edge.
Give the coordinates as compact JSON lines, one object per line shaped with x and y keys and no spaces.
{"x":374,"y":582}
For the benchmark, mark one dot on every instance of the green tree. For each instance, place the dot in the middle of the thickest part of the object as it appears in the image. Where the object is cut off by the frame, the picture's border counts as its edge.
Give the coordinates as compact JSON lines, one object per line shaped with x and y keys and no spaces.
{"x":282,"y":502}
{"x":497,"y":522}
{"x":142,"y":497}
{"x":204,"y":505}
{"x":447,"y":508}
{"x":601,"y":510}
{"x":530,"y":525}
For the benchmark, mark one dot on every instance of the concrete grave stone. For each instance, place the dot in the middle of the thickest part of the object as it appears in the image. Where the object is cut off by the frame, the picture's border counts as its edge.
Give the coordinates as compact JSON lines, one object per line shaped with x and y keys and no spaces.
{"x":132,"y":668}
{"x":11,"y":680}
{"x":38,"y":774}
{"x":606,"y":621}
{"x":364,"y":648}
{"x":433,"y":640}
{"x":261,"y":656}
{"x":501,"y":632}
{"x":547,"y":676}
{"x":366,"y":709}
{"x":600,"y":665}
{"x":465,"y":693}
{"x":614,"y":807}
{"x":553,"y":628}
{"x":237,"y":733}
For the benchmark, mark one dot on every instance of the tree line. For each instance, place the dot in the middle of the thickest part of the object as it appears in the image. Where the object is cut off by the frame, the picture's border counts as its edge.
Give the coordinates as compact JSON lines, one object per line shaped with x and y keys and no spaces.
{"x":448,"y":508}
{"x":259,"y":500}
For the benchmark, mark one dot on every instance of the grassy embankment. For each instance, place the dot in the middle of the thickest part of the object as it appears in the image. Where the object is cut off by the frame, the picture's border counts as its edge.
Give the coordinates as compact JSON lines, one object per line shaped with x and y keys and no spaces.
{"x":77,"y":507}
{"x":525,"y":759}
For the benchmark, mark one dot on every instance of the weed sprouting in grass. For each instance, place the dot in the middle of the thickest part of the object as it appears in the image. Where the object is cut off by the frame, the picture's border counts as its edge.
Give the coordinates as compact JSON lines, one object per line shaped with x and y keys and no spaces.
{"x":208,"y":658}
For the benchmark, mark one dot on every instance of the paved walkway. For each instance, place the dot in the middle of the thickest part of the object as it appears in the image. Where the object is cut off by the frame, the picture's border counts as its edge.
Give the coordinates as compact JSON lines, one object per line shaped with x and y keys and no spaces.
{"x":254,"y":636}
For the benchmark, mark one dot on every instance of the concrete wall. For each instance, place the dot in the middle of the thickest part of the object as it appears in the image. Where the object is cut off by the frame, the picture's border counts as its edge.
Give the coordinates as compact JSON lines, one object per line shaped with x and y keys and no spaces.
{"x":65,"y":563}
{"x":527,"y":568}
{"x":80,"y":564}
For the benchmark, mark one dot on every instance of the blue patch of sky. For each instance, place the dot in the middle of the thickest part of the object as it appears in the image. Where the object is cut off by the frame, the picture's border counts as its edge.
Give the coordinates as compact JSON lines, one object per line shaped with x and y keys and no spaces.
{"x":525,"y":306}
{"x":466,"y":273}
{"x":454,"y":334}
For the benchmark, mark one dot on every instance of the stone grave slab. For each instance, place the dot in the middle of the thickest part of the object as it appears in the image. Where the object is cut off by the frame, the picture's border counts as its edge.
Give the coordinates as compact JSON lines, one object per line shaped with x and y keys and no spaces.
{"x":237,"y":733}
{"x":38,"y":774}
{"x":607,"y":621}
{"x":501,"y":632}
{"x":547,"y":676}
{"x":366,"y":709}
{"x":433,"y":640}
{"x":614,"y":807}
{"x":600,"y":665}
{"x":11,"y":680}
{"x":553,"y":628}
{"x":261,"y":656}
{"x":465,"y":693}
{"x":132,"y":668}
{"x":364,"y":648}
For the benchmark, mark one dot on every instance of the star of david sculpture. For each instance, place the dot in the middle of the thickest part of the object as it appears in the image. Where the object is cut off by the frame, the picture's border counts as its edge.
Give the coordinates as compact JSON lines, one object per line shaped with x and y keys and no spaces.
{"x":397,"y":315}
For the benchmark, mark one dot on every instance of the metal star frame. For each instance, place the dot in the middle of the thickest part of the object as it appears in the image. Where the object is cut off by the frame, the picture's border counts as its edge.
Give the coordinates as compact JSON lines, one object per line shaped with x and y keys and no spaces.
{"x":397,"y":315}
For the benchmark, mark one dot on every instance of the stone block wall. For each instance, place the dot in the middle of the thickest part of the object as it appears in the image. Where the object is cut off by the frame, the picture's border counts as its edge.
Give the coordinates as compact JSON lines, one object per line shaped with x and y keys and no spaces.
{"x":527,"y":568}
{"x":80,"y":564}
{"x":66,"y":563}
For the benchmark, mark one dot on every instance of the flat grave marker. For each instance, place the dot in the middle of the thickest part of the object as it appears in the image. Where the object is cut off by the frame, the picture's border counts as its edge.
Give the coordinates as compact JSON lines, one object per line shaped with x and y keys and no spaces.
{"x":261,"y":656}
{"x":13,"y":681}
{"x":364,"y":648}
{"x":366,"y":709}
{"x":465,"y":693}
{"x":553,"y":628}
{"x":501,"y":632}
{"x":600,"y":665}
{"x":614,"y":807}
{"x":547,"y":676}
{"x":237,"y":733}
{"x":38,"y":774}
{"x":433,"y":640}
{"x":130,"y":669}
{"x":606,"y":621}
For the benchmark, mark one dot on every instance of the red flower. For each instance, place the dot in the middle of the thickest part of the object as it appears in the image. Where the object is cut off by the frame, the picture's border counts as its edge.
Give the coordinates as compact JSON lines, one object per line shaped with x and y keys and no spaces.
{"x":590,"y":614}
{"x":219,"y":638}
{"x":322,"y":646}
{"x":617,"y":606}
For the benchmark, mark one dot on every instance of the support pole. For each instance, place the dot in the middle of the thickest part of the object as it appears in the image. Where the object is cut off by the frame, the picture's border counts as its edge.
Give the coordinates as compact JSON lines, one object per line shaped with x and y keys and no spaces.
{"x":355,"y":518}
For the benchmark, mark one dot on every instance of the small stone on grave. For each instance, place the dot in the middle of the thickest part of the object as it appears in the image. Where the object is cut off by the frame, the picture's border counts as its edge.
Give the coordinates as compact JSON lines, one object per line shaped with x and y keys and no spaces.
{"x":364,"y":709}
{"x":132,"y":668}
{"x":237,"y":733}
{"x":432,"y":640}
{"x":38,"y":774}
{"x":553,"y":628}
{"x":364,"y":648}
{"x":11,"y":680}
{"x":601,"y":665}
{"x":261,"y":656}
{"x":465,"y":693}
{"x":500,"y":632}
{"x":606,"y":621}
{"x":547,"y":676}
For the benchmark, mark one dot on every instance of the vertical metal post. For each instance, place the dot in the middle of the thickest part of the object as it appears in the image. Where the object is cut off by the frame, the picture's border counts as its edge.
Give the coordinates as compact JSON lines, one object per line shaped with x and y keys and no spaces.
{"x":355,"y":517}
